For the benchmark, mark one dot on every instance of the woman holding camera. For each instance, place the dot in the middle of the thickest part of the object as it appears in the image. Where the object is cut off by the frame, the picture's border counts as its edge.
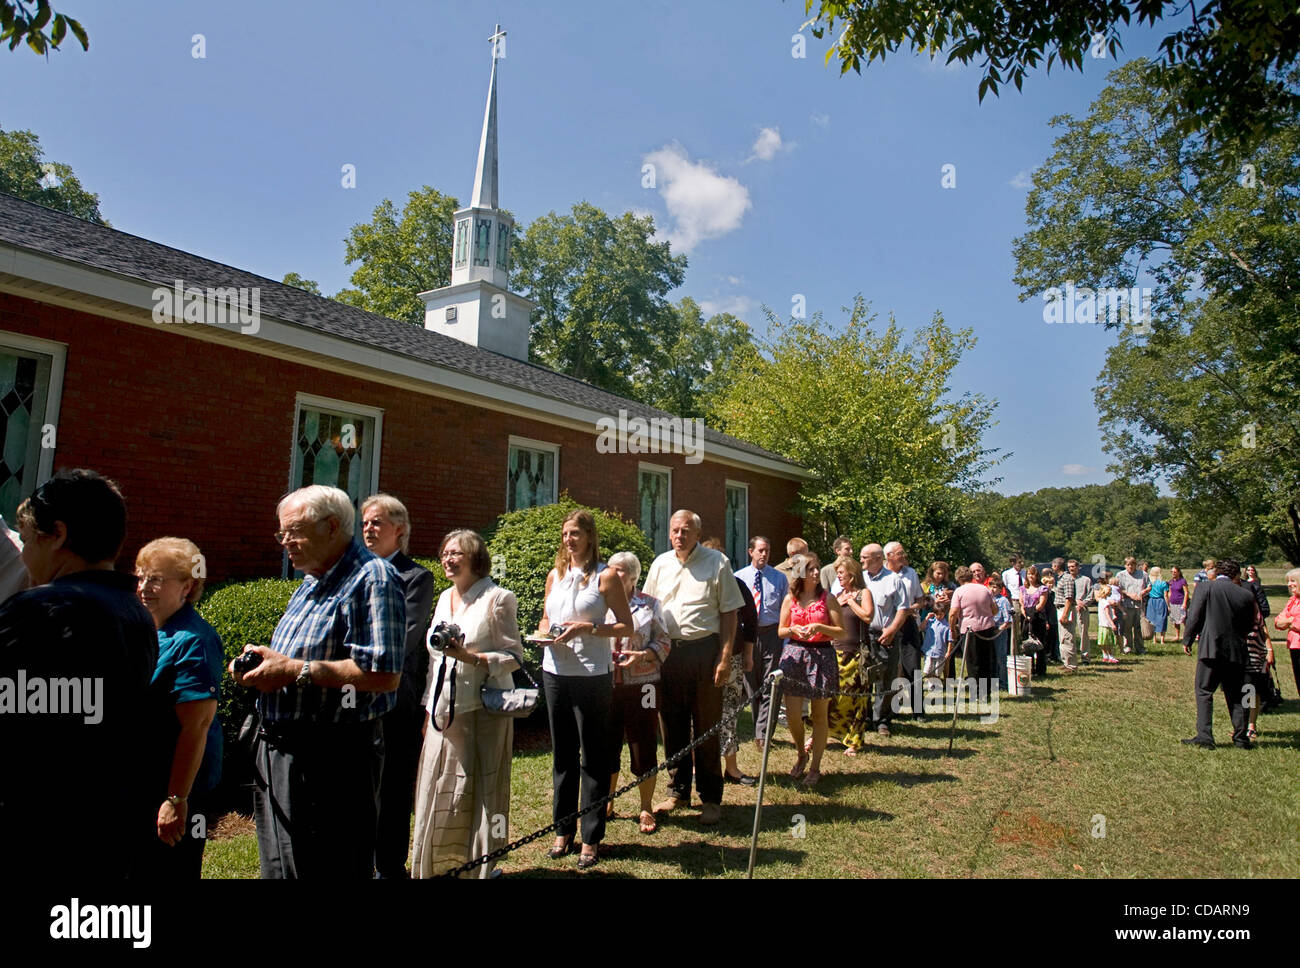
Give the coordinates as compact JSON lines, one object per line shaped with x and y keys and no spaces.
{"x":577,"y":677}
{"x":462,"y":789}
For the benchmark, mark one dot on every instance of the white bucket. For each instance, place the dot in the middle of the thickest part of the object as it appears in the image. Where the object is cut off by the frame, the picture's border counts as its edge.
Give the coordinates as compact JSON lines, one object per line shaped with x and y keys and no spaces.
{"x":1019,"y":671}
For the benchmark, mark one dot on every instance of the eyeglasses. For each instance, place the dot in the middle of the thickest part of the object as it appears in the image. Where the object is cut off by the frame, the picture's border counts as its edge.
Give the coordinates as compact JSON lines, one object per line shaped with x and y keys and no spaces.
{"x":153,"y":581}
{"x":296,"y":533}
{"x":451,"y":555}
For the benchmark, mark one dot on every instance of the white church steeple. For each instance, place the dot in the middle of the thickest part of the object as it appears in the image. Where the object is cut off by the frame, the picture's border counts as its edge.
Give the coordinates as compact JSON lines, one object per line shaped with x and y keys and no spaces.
{"x":478,"y":307}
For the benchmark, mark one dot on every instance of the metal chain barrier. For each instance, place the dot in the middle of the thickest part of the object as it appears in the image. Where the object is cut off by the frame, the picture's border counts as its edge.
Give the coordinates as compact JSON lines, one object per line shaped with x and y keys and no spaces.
{"x":599,"y":804}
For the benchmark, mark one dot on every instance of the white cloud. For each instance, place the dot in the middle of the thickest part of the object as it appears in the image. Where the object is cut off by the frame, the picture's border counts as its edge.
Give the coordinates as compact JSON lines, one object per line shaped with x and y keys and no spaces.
{"x":767,"y":144}
{"x":734,"y":280}
{"x":736,"y":305}
{"x":702,"y":204}
{"x":1075,"y":470}
{"x":1023,"y":179}
{"x":821,"y":120}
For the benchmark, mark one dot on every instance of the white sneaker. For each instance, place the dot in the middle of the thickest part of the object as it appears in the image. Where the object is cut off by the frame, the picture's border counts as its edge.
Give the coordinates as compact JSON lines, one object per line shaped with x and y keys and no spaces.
{"x":1127,"y":650}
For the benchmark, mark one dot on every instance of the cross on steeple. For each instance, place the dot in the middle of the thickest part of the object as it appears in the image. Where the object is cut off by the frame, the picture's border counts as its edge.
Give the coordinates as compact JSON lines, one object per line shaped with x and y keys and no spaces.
{"x":493,"y":40}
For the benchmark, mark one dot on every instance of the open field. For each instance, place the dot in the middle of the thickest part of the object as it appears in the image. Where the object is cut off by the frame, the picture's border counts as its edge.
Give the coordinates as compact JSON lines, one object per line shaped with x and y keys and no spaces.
{"x":1020,"y":797}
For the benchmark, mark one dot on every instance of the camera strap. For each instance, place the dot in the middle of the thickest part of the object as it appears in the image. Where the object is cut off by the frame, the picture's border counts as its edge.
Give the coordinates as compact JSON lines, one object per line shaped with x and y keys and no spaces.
{"x":437,"y":691}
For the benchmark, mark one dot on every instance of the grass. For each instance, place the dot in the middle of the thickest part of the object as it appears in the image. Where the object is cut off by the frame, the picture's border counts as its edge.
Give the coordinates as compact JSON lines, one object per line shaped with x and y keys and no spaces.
{"x":1020,"y":797}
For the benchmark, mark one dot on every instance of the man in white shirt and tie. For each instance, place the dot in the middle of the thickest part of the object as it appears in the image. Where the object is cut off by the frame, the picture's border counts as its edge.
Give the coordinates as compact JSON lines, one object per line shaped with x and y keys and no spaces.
{"x":769,"y":588}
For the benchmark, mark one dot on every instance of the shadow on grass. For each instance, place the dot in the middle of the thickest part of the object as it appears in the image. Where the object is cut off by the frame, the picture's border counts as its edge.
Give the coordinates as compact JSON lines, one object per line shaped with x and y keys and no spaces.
{"x":700,"y":858}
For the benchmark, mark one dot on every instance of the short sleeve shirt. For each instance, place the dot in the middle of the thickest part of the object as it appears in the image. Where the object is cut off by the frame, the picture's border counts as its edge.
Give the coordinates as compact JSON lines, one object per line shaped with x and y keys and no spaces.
{"x":889,"y":595}
{"x":190,"y":663}
{"x":694,"y":593}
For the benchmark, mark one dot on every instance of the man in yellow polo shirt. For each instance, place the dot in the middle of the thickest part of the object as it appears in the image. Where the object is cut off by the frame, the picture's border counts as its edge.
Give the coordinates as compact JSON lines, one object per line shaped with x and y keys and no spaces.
{"x":700,"y":598}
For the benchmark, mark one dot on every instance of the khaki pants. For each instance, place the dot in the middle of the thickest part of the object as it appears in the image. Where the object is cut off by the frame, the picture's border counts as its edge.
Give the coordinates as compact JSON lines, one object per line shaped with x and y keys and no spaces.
{"x":1081,"y":630}
{"x":1069,"y":650}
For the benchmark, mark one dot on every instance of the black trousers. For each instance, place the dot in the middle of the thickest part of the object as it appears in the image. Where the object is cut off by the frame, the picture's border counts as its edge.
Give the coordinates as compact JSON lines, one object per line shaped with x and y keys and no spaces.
{"x":905,"y":660}
{"x":634,"y":716}
{"x":157,"y":861}
{"x":767,"y":656}
{"x":579,"y":711}
{"x":316,"y":799}
{"x":690,"y":699}
{"x":1210,"y":675}
{"x":403,"y":742}
{"x":1295,"y":668}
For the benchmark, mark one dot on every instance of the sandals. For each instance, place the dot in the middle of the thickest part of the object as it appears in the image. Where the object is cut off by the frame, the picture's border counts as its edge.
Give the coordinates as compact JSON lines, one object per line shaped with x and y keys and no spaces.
{"x":586,"y":861}
{"x":1252,"y":734}
{"x":807,"y":747}
{"x":850,"y":751}
{"x":556,"y":853}
{"x":647,"y":822}
{"x":800,"y":767}
{"x":811,"y":779}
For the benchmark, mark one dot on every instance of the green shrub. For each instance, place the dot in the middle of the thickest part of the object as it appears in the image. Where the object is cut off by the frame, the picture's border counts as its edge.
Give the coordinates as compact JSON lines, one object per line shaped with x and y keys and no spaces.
{"x":523,"y":545}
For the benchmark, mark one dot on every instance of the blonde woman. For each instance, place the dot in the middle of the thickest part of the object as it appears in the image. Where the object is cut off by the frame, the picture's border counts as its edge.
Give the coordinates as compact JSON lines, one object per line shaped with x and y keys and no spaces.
{"x":188,"y":675}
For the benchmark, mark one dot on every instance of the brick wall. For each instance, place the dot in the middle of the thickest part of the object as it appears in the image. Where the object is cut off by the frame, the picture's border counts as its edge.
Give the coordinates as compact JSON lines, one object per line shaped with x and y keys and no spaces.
{"x":199,"y":436}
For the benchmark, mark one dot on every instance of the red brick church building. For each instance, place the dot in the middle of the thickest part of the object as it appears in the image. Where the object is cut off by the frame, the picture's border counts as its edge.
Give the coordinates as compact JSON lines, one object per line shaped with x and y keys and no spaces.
{"x":207,"y":423}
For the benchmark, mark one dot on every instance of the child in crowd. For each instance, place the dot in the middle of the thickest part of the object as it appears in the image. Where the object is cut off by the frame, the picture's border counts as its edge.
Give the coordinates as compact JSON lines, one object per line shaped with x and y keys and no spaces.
{"x":1107,"y":620}
{"x":1001,"y":645}
{"x":937,"y":635}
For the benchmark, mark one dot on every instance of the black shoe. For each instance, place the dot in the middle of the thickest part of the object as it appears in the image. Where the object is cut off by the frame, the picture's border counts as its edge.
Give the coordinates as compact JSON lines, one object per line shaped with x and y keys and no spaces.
{"x":1245,"y":744}
{"x":587,"y":861}
{"x":1197,"y":741}
{"x":742,"y":780}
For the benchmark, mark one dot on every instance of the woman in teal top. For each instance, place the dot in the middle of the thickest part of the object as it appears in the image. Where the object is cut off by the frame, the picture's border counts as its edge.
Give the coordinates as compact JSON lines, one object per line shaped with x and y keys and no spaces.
{"x":1158,"y":605}
{"x":185,"y":739}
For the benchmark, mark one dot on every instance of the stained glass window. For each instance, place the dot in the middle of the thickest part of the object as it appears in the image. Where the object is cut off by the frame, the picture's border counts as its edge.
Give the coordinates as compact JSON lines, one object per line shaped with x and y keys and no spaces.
{"x":653,"y":487}
{"x":462,"y":242}
{"x":503,"y":246}
{"x":530,"y":477}
{"x":737,"y":524}
{"x":24,"y":389}
{"x":483,"y":242}
{"x":335,"y":448}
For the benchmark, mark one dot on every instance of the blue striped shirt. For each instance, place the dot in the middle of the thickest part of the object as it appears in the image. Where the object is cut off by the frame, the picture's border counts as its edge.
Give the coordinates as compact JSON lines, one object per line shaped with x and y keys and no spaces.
{"x":356,"y":610}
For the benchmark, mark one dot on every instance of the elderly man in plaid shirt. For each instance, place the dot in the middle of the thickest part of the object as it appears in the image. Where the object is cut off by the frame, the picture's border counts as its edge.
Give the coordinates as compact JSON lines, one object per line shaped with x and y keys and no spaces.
{"x":1065,"y":605}
{"x":331,"y":672}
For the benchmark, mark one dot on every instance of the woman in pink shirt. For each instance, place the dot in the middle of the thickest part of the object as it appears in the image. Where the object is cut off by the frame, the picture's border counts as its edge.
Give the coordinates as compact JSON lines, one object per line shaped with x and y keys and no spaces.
{"x":1289,"y":622}
{"x":973,"y":612}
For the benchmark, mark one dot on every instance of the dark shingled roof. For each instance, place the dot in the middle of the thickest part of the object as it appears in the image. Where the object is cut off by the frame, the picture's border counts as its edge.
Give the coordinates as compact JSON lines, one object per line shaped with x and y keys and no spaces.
{"x":30,"y":226}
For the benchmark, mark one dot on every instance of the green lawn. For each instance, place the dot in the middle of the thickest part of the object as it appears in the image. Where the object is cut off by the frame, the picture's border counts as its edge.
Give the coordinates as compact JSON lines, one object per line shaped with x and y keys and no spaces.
{"x":1019,"y":797}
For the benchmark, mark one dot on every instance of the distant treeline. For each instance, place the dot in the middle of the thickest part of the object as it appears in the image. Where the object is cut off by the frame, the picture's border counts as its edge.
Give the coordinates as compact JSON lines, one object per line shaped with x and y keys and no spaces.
{"x":1109,"y":520}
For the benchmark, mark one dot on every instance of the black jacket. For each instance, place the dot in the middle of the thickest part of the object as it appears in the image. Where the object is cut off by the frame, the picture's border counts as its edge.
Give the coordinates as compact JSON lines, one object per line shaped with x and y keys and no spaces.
{"x":418,"y":583}
{"x":1222,"y":615}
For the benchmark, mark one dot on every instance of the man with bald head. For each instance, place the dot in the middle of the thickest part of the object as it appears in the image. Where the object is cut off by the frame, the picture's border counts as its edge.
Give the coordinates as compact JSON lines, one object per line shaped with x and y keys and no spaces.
{"x":700,"y":598}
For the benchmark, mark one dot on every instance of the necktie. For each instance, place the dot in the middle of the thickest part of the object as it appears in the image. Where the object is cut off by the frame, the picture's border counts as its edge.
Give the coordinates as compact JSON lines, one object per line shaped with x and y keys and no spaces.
{"x":758,"y":592}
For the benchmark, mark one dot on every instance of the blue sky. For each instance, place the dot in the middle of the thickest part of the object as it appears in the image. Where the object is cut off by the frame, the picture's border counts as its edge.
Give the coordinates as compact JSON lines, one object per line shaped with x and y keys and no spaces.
{"x":776,"y":174}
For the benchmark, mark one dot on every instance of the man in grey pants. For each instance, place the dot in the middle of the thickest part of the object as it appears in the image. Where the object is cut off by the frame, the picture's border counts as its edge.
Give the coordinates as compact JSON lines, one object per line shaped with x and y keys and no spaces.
{"x":1065,"y":609}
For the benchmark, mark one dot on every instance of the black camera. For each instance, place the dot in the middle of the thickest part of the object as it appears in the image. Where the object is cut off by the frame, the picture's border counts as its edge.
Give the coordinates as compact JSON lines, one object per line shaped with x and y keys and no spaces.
{"x":445,"y":635}
{"x":246,"y":662}
{"x":555,"y":631}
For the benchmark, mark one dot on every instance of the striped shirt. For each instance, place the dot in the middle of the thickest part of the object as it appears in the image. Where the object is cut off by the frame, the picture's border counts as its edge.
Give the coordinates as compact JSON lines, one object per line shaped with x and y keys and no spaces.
{"x":356,"y":610}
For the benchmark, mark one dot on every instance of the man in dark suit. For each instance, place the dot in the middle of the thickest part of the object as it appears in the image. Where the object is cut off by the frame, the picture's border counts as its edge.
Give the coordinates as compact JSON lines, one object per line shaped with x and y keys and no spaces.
{"x":1221,"y":615}
{"x":386,"y":530}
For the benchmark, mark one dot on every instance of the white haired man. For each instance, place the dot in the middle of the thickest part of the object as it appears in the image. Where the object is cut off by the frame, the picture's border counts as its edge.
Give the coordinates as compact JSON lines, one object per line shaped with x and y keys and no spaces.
{"x":386,"y":530}
{"x":700,"y":599}
{"x":329,"y":675}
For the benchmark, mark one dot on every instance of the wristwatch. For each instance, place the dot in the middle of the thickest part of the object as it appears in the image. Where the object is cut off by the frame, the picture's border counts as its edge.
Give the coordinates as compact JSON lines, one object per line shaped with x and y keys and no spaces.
{"x":176,"y":801}
{"x":304,"y":675}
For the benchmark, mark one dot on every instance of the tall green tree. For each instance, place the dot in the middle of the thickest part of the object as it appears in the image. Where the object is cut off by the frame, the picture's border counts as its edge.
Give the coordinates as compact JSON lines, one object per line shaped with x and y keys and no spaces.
{"x":692,"y":358}
{"x":293,"y":279}
{"x":24,"y":174}
{"x":26,"y":20}
{"x":895,"y":454}
{"x":601,"y":285}
{"x":402,"y":255}
{"x":1224,"y":65}
{"x":1202,"y":389}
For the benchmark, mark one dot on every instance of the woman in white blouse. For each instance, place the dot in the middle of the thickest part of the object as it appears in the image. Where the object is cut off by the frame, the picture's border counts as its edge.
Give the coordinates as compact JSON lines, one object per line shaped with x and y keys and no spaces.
{"x":462,"y":789}
{"x":577,"y":678}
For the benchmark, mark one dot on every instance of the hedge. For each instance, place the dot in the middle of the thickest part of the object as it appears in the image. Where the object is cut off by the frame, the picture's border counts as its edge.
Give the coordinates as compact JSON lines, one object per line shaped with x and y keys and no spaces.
{"x":523,"y":545}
